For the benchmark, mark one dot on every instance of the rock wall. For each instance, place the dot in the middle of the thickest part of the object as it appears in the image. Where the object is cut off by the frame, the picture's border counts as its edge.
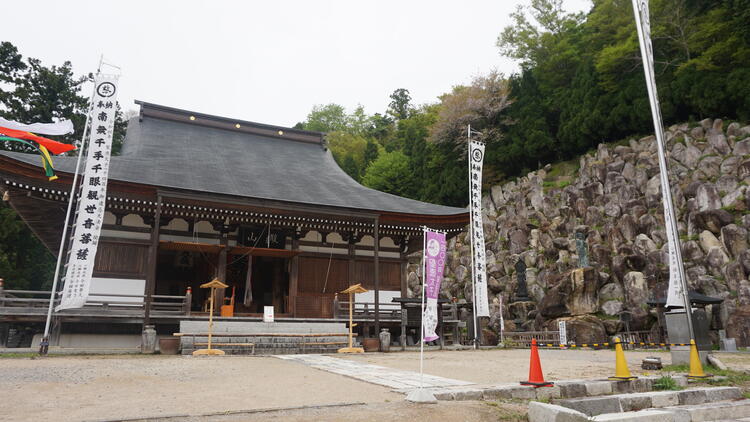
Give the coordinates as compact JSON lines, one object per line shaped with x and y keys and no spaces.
{"x":614,"y":200}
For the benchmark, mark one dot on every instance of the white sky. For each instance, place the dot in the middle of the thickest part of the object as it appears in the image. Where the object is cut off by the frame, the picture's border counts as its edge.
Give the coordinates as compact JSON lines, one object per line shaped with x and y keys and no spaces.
{"x":269,"y":61}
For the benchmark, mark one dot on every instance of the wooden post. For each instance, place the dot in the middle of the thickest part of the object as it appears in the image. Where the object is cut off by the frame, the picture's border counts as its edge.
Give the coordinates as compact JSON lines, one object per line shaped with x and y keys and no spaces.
{"x":356,"y":288}
{"x":153,"y":256}
{"x":211,"y":318}
{"x":351,"y":318}
{"x":213,"y":285}
{"x":377,"y":276}
{"x":293,"y":277}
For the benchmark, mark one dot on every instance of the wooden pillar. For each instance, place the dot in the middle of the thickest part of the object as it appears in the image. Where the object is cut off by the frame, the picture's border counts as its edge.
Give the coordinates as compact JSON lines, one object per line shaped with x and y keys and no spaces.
{"x":352,"y":260}
{"x":153,"y":256}
{"x":294,"y":276}
{"x":376,"y":232}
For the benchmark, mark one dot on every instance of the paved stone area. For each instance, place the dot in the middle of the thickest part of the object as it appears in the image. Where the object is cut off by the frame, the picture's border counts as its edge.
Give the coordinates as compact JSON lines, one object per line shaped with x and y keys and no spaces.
{"x":374,"y":374}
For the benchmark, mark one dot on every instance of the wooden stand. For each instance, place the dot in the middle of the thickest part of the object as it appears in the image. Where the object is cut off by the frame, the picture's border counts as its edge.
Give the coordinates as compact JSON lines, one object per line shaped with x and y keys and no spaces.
{"x":213,"y":285}
{"x":357,"y":288}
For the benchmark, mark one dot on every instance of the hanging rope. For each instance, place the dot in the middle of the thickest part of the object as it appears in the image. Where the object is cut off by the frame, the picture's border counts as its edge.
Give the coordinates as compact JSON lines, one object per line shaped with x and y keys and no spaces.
{"x":330,"y":257}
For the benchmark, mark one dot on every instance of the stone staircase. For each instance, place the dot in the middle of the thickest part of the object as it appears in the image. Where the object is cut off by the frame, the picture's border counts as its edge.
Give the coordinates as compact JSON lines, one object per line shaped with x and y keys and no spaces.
{"x":260,"y":338}
{"x":690,"y":405}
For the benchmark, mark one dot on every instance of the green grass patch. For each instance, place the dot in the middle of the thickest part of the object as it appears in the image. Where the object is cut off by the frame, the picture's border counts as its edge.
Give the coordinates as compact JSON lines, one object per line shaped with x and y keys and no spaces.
{"x":732,"y":378}
{"x":666,"y":383}
{"x":25,"y":355}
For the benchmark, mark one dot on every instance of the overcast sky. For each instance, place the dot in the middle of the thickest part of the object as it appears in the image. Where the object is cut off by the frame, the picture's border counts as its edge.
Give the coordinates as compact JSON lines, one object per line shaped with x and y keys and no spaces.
{"x":269,"y":61}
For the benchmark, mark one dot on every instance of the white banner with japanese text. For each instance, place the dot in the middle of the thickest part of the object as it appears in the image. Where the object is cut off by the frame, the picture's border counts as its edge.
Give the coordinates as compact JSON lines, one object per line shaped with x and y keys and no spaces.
{"x":479,"y":272}
{"x":92,"y":196}
{"x":675,"y":291}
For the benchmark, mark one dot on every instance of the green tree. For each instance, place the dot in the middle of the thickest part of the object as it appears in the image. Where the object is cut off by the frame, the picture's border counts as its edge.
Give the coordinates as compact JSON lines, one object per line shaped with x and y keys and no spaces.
{"x":400,"y":105}
{"x":371,"y":153}
{"x":391,"y":173}
{"x":326,"y":118}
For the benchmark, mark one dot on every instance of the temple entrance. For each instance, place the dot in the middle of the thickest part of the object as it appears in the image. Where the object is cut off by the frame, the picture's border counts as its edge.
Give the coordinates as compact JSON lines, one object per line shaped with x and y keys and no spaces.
{"x":268,"y":284}
{"x":268,"y":280}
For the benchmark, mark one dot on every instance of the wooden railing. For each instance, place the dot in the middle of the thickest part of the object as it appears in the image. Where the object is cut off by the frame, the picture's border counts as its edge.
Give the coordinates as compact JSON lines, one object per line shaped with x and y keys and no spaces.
{"x":366,"y":310}
{"x":638,"y":337}
{"x":523,"y":338}
{"x":34,"y":301}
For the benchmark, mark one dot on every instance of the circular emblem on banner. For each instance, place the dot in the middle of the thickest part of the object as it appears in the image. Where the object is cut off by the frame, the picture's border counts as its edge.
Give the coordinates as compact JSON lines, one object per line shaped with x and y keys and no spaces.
{"x":476,"y":155}
{"x":106,"y":89}
{"x":433,"y":247}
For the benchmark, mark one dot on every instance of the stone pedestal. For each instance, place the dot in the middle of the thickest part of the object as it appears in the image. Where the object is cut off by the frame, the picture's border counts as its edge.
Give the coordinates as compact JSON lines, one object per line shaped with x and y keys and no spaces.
{"x":677,"y":331}
{"x":148,"y":339}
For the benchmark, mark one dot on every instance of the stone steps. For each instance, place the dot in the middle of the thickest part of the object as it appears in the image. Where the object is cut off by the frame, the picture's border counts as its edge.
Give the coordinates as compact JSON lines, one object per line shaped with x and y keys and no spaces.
{"x":692,"y":405}
{"x":269,"y":338}
{"x":593,"y":406}
{"x":269,"y":345}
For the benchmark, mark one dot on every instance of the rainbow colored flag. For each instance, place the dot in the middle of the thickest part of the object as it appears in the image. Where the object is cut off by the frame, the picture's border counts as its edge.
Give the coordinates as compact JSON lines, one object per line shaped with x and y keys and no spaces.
{"x":49,"y":169}
{"x":53,"y":146}
{"x":39,"y":143}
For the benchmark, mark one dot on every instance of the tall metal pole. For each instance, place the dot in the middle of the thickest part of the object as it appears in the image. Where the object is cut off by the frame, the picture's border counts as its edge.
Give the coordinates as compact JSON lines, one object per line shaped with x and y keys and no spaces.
{"x":646,"y":56}
{"x":421,"y":325}
{"x":376,"y":233}
{"x":73,"y":187}
{"x":471,"y":243}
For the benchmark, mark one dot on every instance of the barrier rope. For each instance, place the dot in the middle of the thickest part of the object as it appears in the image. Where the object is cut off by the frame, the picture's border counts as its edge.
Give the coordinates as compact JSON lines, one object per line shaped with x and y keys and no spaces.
{"x":608,"y":344}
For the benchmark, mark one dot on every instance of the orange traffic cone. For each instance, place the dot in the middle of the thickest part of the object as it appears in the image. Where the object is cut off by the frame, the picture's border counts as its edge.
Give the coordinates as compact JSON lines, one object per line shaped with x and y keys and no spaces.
{"x":536,"y":378}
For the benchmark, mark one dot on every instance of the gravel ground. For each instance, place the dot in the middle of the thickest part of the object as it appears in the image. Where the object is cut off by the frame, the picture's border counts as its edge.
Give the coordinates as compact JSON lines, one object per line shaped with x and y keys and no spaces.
{"x":86,"y":388}
{"x":499,"y":366}
{"x":94,"y":388}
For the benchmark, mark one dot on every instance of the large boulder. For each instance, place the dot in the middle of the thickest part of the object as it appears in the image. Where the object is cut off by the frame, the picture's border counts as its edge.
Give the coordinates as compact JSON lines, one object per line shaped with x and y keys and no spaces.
{"x":612,"y":307}
{"x":712,"y":220}
{"x":707,"y":197}
{"x":644,"y":244}
{"x":737,"y":326}
{"x":611,"y":291}
{"x":583,"y":297}
{"x":553,"y":304}
{"x":708,"y":241}
{"x":637,"y":293}
{"x":718,"y":141}
{"x":734,"y":239}
{"x":518,"y":241}
{"x":586,"y":329}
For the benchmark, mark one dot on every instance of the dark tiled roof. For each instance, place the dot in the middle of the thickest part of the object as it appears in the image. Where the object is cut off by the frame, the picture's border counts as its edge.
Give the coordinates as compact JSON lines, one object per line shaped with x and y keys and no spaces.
{"x":184,"y":155}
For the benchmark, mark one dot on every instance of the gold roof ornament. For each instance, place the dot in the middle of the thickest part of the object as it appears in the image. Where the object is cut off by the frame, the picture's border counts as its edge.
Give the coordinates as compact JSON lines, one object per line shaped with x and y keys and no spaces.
{"x":355,"y":288}
{"x":214,"y":283}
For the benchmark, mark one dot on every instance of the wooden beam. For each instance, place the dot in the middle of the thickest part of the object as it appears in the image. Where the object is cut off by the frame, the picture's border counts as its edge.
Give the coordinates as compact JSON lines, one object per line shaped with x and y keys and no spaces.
{"x":293,"y":277}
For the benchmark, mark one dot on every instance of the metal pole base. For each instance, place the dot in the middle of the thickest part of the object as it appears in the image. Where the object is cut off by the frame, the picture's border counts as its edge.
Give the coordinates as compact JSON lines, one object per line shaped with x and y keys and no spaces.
{"x":421,"y":395}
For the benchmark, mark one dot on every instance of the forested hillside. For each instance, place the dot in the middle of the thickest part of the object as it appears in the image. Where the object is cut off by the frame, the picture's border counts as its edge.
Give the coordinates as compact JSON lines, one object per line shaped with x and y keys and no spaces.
{"x":580,"y":83}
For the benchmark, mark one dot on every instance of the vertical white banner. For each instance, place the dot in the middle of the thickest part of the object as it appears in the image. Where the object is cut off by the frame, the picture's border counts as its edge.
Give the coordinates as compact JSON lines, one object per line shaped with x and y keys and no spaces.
{"x":563,"y":331}
{"x":677,"y":281}
{"x":92,"y":196}
{"x":479,"y":272}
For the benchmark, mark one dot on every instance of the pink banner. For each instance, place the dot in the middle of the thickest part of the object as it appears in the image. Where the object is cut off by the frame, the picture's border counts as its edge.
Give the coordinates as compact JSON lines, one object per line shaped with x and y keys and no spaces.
{"x":434,"y":263}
